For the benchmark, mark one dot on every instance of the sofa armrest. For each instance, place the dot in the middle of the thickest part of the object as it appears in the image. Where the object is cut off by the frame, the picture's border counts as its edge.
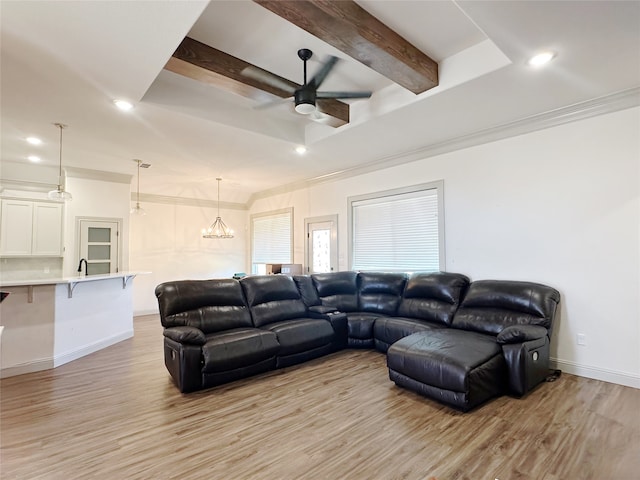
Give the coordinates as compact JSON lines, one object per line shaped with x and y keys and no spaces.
{"x":184,"y":363}
{"x":338,"y":322}
{"x":184,"y":334}
{"x":322,"y":310}
{"x":527,"y":364}
{"x":520,"y":334}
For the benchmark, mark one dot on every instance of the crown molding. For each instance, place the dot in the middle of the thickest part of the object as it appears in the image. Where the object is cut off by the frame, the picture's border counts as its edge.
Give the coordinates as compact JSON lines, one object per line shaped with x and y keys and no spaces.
{"x":101,"y":175}
{"x":190,"y":202}
{"x":25,"y":186}
{"x":579,"y":111}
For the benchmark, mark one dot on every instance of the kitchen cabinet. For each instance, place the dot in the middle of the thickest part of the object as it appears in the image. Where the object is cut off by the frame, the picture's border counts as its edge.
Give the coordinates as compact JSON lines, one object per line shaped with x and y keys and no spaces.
{"x":30,"y":228}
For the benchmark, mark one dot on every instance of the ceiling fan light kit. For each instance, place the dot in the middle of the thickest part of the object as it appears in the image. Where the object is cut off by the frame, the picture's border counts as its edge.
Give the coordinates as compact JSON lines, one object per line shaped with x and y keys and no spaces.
{"x":305,"y":102}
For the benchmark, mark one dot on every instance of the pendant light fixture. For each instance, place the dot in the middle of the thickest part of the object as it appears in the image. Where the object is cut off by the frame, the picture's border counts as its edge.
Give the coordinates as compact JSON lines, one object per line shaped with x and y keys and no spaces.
{"x":138,"y":210}
{"x":218,"y":229}
{"x":60,"y":193}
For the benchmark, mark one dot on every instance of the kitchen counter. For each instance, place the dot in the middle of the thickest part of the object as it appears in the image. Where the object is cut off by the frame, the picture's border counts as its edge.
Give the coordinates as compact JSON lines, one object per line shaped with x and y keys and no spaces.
{"x":74,"y":279}
{"x":52,"y":321}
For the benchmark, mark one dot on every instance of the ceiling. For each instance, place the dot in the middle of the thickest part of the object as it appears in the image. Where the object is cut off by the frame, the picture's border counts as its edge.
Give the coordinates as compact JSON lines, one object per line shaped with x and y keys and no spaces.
{"x":67,"y":61}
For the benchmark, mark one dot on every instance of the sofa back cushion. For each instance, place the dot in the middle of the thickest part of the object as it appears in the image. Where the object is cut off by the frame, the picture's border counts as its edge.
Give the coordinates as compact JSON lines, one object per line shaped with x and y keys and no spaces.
{"x":433,"y":296}
{"x":308,"y":292}
{"x":380,"y":292}
{"x":272,"y":298}
{"x":337,"y":289}
{"x":210,"y":305}
{"x":492,"y":305}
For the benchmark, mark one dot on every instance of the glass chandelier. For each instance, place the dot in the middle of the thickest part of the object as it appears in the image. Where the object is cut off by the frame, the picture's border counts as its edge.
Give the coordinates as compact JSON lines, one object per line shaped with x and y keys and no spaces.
{"x":218,"y":229}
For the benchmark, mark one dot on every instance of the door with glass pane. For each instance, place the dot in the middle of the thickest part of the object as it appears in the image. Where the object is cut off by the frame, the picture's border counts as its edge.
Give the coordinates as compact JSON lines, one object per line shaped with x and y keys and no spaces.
{"x":322,"y":244}
{"x":99,"y":246}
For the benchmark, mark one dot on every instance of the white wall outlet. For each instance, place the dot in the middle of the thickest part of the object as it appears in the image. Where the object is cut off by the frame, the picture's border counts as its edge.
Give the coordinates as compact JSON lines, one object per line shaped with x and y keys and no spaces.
{"x":582,"y":339}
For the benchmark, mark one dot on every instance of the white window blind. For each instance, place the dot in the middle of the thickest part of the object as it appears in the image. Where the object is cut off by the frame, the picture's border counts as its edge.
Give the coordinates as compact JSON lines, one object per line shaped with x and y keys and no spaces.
{"x":271,"y":238}
{"x":397,"y":230}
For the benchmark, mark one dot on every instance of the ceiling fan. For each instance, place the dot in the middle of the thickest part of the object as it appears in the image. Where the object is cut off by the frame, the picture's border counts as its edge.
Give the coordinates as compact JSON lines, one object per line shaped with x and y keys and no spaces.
{"x":304,"y":97}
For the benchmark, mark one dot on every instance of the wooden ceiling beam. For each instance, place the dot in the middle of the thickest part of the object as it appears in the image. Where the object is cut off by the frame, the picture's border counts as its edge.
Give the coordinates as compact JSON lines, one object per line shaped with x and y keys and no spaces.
{"x":203,"y":63}
{"x":354,"y":31}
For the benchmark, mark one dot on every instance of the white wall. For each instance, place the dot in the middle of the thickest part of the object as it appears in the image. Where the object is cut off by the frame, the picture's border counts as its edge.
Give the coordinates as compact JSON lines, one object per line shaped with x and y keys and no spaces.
{"x":168,"y":242}
{"x":96,"y":199}
{"x":559,"y":206}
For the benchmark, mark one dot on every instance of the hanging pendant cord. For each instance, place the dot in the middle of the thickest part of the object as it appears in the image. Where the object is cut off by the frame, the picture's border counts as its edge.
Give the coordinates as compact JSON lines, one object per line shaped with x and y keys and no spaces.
{"x":60,"y":171}
{"x":218,"y":179}
{"x":60,"y":126}
{"x":138,"y":192}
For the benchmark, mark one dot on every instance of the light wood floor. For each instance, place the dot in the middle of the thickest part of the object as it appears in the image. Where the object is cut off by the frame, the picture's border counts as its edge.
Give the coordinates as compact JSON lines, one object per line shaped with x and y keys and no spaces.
{"x":116,"y":415}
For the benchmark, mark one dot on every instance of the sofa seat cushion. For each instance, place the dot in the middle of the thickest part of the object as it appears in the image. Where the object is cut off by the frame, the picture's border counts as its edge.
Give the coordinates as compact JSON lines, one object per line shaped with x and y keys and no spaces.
{"x":391,"y":329}
{"x":449,"y":359}
{"x":237,"y":348}
{"x":301,"y":334}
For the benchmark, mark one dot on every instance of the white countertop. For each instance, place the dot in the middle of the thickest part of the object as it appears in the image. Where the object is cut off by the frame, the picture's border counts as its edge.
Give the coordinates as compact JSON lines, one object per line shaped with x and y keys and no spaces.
{"x":67,"y":280}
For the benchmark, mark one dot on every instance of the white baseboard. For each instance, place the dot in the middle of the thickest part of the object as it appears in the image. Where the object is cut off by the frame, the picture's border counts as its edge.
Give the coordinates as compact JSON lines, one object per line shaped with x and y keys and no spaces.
{"x":61,"y":359}
{"x":30,"y":367}
{"x":140,"y":313}
{"x":85,"y":350}
{"x":597,"y":373}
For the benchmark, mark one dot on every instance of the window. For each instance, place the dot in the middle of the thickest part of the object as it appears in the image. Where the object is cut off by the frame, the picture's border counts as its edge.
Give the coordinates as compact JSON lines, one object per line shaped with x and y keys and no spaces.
{"x":271,"y":239}
{"x":398,"y":230}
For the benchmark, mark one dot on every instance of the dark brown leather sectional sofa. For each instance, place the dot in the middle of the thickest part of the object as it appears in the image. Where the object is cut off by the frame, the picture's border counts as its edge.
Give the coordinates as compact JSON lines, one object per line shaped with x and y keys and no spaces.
{"x":449,"y":339}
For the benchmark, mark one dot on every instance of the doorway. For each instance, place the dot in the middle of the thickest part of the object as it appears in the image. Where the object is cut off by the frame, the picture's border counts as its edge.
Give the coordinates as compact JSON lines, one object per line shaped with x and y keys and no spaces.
{"x":321,"y":246}
{"x":99,"y":245}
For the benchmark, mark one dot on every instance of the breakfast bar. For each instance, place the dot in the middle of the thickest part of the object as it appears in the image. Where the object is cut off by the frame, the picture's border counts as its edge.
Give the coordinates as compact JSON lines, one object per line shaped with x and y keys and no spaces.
{"x":50,"y":322}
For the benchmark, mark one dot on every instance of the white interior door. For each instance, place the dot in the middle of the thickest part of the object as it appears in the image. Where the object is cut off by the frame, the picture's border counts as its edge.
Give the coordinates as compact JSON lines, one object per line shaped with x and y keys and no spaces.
{"x":322,"y":244}
{"x":99,"y":246}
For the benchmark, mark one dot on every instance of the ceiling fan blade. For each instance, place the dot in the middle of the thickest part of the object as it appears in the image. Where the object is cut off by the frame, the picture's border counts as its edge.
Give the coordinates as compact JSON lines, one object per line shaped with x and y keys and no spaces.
{"x":321,"y":95}
{"x":323,"y":72}
{"x":263,"y":76}
{"x":274,"y":103}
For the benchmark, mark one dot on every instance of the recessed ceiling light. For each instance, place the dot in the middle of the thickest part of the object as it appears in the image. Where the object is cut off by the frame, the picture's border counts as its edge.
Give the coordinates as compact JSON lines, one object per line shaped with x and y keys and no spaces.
{"x":301,"y":150}
{"x":541,"y":59}
{"x":123,"y":105}
{"x":33,"y":158}
{"x":34,"y":140}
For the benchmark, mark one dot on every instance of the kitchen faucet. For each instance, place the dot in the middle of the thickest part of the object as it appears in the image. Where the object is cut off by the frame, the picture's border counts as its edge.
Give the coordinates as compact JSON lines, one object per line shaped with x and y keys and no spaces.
{"x":80,"y":266}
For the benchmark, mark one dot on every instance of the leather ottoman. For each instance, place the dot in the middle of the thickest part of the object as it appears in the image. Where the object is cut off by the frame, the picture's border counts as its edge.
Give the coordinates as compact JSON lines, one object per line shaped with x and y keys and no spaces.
{"x":457,"y":367}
